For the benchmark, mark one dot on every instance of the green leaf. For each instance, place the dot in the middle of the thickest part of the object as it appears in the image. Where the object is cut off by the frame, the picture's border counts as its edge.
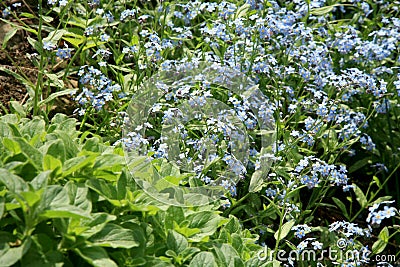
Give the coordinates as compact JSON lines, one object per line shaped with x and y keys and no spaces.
{"x":12,"y":145}
{"x":14,"y":183}
{"x":176,"y":242}
{"x":227,"y":255}
{"x":242,"y":11}
{"x":27,"y":15}
{"x":256,"y":181}
{"x":173,"y":214}
{"x":17,"y":107}
{"x":203,"y":259}
{"x":10,"y":256}
{"x":75,"y":41}
{"x":47,"y":19}
{"x":322,"y":10}
{"x":8,"y":36}
{"x":54,"y":36}
{"x":78,"y":163}
{"x":35,"y":44}
{"x":96,"y":256}
{"x":40,"y":181}
{"x":55,"y":149}
{"x":360,"y":196}
{"x":79,"y":194}
{"x":53,"y":96}
{"x":43,"y":252}
{"x":233,"y":225}
{"x":34,"y":155}
{"x":359,"y":164}
{"x":103,"y":188}
{"x":341,"y":206}
{"x":51,"y":163}
{"x":94,"y":225}
{"x":55,"y":81}
{"x":2,"y":205}
{"x":284,"y":231}
{"x":115,"y":236}
{"x":56,"y":204}
{"x":33,"y":127}
{"x":380,"y":244}
{"x":206,"y":221}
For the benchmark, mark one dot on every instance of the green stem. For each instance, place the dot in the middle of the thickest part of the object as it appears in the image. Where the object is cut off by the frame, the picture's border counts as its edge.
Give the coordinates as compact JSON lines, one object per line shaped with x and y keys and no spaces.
{"x":373,"y":195}
{"x":41,"y":63}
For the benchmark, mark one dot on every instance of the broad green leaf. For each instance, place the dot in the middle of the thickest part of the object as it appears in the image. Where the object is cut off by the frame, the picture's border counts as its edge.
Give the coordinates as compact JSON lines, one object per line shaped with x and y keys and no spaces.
{"x":79,"y":194}
{"x":341,"y":206}
{"x":115,"y":236}
{"x":203,"y":259}
{"x":51,"y":163}
{"x":12,"y":146}
{"x":41,"y":180}
{"x":78,"y":163}
{"x":167,"y":169}
{"x":256,"y":181}
{"x":74,"y":41}
{"x":54,"y":36}
{"x":18,"y":108}
{"x":8,"y":36}
{"x":71,"y":147}
{"x":35,"y":44}
{"x":103,"y":188}
{"x":43,"y":252}
{"x":322,"y":10}
{"x":361,"y":198}
{"x":33,"y":154}
{"x":34,"y":127}
{"x":108,"y":161}
{"x":55,"y":81}
{"x":122,"y":185}
{"x":56,"y":204}
{"x":10,"y":256}
{"x":186,"y":231}
{"x":206,"y":221}
{"x":89,"y":227}
{"x":227,"y":255}
{"x":60,"y":84}
{"x":4,"y":130}
{"x":64,"y":124}
{"x":66,"y":211}
{"x":233,"y":225}
{"x":176,"y":242}
{"x":380,"y":244}
{"x":14,"y":183}
{"x":47,"y":19}
{"x":55,"y":149}
{"x":31,"y":197}
{"x":284,"y":231}
{"x":173,"y":214}
{"x":242,"y":11}
{"x":96,"y":256}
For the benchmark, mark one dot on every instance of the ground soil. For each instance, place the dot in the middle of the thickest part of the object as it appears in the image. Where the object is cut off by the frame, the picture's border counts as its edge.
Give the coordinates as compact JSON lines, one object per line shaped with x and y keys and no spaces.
{"x":14,"y":57}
